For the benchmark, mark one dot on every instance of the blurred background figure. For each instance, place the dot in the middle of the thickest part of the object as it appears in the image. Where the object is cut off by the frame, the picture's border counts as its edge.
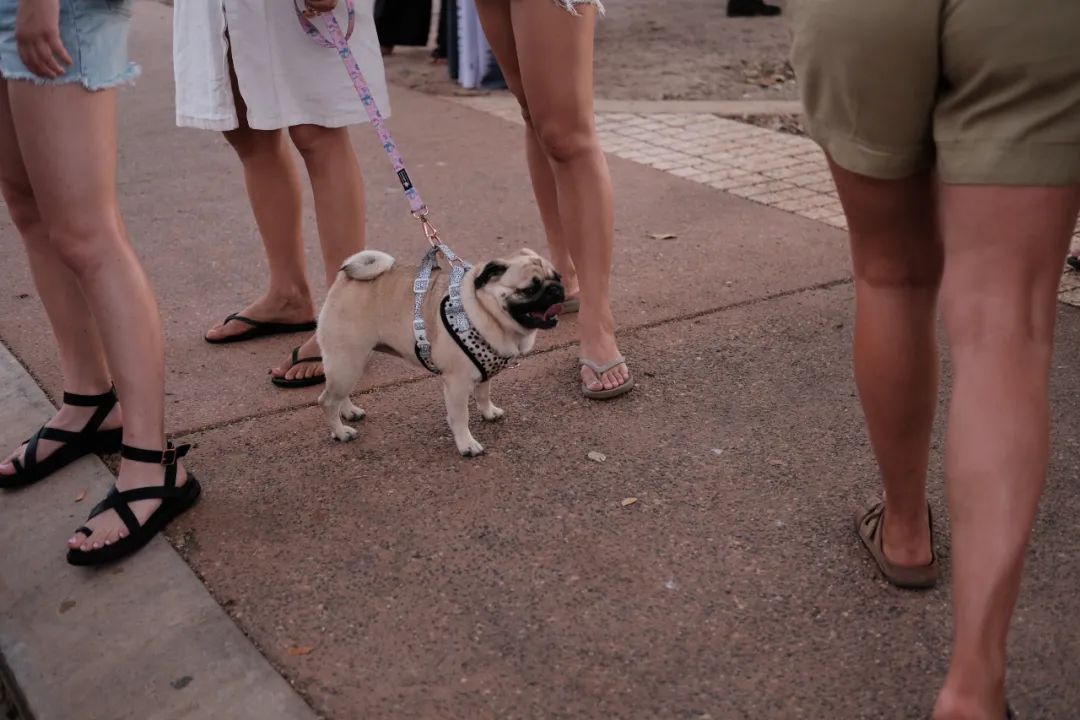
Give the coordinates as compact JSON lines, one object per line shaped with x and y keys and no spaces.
{"x":751,"y":8}
{"x":402,"y":22}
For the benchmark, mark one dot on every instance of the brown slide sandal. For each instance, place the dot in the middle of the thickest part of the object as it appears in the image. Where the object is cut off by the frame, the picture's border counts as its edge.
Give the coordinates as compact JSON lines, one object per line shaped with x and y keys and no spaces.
{"x":870,"y":525}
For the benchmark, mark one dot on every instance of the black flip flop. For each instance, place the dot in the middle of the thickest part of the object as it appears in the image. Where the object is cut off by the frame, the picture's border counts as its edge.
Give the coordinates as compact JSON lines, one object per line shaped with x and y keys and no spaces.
{"x":76,"y":444}
{"x":174,"y":501}
{"x":300,"y":382}
{"x":260,"y":329}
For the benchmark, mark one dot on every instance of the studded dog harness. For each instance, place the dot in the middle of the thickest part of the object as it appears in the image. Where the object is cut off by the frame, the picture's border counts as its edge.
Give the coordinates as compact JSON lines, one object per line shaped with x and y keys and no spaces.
{"x":489,"y":361}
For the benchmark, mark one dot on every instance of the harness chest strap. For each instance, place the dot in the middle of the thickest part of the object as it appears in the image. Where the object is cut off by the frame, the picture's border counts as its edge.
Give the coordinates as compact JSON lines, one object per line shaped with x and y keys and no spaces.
{"x":484,"y":357}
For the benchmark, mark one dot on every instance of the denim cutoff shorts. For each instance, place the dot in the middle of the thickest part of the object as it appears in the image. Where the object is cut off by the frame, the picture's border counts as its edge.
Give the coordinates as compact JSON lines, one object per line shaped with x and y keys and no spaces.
{"x":95,"y":35}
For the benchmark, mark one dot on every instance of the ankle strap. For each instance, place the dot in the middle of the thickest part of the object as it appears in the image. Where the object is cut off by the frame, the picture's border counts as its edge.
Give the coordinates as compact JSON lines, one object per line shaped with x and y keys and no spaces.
{"x":77,"y":400}
{"x":166,"y":457}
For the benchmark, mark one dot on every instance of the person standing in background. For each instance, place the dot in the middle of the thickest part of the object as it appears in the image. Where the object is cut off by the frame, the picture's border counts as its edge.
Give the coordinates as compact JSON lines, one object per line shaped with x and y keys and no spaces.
{"x":249,"y":70}
{"x":402,"y":22}
{"x":960,"y":180}
{"x":61,"y":64}
{"x":545,"y":49}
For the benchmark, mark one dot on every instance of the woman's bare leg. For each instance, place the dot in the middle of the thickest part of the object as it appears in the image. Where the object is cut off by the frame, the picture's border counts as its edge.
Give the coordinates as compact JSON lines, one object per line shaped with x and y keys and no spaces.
{"x":499,"y":30}
{"x":67,"y":138}
{"x":82,"y":359}
{"x":554,"y":55}
{"x":273,"y":187}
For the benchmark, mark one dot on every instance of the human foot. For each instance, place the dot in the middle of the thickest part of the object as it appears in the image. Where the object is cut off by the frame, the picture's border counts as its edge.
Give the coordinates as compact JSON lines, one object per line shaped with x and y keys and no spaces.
{"x":59,"y":439}
{"x":919,"y":567}
{"x":952,"y":705}
{"x":907,"y":541}
{"x":151,"y":490}
{"x":297,"y":309}
{"x":303,"y":367}
{"x":601,"y":350}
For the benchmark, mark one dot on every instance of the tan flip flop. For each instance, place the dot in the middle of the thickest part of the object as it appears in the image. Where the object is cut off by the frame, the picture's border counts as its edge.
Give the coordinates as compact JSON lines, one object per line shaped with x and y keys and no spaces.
{"x":600,"y":370}
{"x":870,"y":525}
{"x":570,"y":306}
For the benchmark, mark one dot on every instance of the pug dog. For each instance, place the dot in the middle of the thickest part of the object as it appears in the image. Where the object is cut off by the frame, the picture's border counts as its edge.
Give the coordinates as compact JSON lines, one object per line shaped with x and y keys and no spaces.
{"x":371,"y":307}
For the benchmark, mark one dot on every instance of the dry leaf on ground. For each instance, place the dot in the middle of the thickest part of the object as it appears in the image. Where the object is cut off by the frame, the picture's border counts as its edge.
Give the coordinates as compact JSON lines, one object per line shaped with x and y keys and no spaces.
{"x":301,"y":650}
{"x":629,"y":501}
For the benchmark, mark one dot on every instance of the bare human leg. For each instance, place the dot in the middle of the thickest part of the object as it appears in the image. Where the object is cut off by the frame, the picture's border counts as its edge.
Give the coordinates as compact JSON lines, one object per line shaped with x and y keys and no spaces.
{"x":554,"y":55}
{"x":495,"y":17}
{"x":898,"y":261}
{"x":273,"y":187}
{"x":1003,"y":252}
{"x":338,"y":187}
{"x":82,"y":360}
{"x":67,"y":140}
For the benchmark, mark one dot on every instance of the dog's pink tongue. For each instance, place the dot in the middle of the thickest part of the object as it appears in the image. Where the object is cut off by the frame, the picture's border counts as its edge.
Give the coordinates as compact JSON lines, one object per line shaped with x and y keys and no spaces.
{"x":553,"y":311}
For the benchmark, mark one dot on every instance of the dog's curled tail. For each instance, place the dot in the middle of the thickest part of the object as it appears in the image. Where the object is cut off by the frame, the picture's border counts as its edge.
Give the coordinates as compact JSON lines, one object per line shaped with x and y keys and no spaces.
{"x":367,"y":265}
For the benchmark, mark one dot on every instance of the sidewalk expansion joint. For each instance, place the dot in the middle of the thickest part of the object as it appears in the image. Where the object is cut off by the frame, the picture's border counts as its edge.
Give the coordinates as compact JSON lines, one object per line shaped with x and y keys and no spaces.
{"x":630,"y":331}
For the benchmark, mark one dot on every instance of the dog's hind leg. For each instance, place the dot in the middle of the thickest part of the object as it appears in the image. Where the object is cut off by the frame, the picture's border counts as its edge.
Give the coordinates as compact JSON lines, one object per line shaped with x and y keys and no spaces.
{"x":341,"y":377}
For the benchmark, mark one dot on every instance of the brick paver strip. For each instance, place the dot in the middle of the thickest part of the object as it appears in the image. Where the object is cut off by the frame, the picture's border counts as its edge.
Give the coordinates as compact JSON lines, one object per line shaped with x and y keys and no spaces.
{"x":783,"y":171}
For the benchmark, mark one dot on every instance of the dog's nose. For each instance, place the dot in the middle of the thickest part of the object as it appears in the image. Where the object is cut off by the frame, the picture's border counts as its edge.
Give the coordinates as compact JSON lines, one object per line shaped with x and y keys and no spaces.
{"x":554,"y":291}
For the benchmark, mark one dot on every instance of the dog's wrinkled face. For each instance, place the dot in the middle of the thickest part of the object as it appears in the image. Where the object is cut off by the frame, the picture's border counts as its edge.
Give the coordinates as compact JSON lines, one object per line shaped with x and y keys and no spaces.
{"x":525,"y":287}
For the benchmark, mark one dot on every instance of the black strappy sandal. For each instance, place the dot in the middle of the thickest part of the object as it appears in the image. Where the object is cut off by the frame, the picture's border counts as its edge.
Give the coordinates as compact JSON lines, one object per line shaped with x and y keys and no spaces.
{"x":300,"y":382}
{"x":260,"y":329}
{"x":174,"y":501}
{"x":87,"y":441}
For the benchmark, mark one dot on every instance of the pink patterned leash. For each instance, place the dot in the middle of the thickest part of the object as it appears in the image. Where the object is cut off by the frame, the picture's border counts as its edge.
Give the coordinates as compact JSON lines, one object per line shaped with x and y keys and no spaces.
{"x":339,"y":41}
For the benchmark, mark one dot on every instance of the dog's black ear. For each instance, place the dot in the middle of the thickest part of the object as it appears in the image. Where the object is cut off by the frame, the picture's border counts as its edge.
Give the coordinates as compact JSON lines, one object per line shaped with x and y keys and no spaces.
{"x":491,"y":271}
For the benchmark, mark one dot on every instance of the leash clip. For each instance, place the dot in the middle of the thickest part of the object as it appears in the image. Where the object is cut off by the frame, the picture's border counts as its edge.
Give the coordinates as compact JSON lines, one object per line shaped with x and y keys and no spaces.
{"x":430,"y":231}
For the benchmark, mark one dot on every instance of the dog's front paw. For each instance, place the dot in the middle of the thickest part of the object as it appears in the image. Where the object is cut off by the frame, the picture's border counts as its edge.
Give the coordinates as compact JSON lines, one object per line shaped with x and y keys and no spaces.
{"x":470,"y":448}
{"x":353,"y":414}
{"x":492,"y":413}
{"x":345,"y":434}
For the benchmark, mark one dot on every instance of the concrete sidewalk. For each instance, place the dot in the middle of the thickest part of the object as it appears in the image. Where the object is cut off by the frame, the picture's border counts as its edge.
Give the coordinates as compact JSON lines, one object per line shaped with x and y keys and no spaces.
{"x":390,"y":578}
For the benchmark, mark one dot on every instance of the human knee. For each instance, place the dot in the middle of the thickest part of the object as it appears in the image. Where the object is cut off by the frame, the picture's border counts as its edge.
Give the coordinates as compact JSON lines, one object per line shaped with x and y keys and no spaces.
{"x":563,"y":139}
{"x":904,"y":270}
{"x":21,"y":203}
{"x":313,"y":141}
{"x":993,"y":322}
{"x":250,"y":143}
{"x":83,"y":240}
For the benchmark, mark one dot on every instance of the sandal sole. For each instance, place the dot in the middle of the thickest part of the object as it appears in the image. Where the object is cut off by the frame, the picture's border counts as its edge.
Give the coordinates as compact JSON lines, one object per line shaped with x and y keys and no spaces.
{"x":105,"y":442}
{"x":293,"y":384}
{"x":169,"y":511}
{"x":608,"y":394}
{"x":256,"y":333}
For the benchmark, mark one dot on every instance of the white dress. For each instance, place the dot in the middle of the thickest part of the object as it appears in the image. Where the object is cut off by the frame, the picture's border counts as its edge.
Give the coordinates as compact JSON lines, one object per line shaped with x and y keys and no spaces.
{"x":285,"y":77}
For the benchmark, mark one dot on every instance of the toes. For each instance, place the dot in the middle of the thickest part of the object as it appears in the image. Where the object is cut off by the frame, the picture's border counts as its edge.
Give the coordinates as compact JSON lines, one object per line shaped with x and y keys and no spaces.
{"x":591,"y":380}
{"x":7,"y":466}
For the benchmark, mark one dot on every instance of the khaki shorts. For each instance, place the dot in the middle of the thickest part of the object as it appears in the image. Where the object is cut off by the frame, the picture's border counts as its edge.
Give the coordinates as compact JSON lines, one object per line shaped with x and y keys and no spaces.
{"x":984,"y":91}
